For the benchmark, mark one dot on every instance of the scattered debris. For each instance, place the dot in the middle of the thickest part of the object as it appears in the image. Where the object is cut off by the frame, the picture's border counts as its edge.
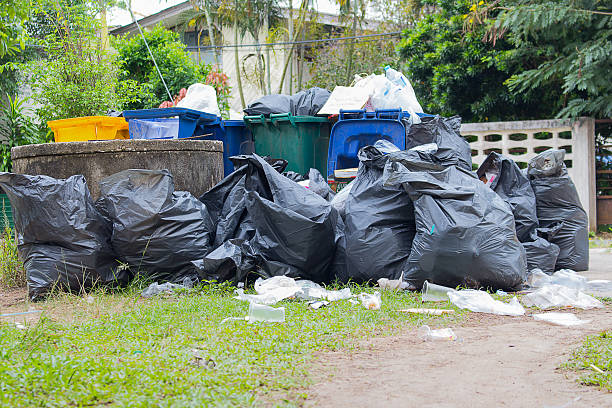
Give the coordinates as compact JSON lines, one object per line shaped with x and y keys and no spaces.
{"x":370,"y":301}
{"x":317,"y":304}
{"x":263,"y":313}
{"x":550,"y":296}
{"x":427,"y":334}
{"x":433,"y":312}
{"x":434,"y":293}
{"x":561,"y":319}
{"x":155,"y":289}
{"x":480,"y":301}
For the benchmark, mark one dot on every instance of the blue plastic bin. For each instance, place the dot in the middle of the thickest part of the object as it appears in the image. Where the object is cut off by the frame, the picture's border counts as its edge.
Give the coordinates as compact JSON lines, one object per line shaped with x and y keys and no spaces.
{"x":236,"y":137}
{"x":162,"y":123}
{"x":358,"y":128}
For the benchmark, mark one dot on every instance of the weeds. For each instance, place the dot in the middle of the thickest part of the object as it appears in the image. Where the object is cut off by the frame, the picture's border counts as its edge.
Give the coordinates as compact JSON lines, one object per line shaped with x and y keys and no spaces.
{"x":12,"y":272}
{"x":593,"y":360}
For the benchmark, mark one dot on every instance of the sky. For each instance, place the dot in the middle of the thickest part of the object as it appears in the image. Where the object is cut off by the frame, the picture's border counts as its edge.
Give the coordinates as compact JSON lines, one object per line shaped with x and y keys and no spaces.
{"x":143,"y":8}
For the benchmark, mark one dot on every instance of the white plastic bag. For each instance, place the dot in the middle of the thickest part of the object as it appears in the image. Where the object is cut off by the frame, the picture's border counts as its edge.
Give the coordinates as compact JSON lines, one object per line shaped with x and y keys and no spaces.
{"x":550,"y":296}
{"x":480,"y":301}
{"x":561,"y":319}
{"x":202,"y":98}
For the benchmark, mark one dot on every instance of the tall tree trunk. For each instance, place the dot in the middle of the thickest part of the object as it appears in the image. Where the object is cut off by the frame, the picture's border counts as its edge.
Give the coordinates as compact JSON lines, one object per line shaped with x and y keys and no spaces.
{"x":260,"y":68}
{"x":303,"y":8}
{"x":211,"y":34}
{"x":236,"y":58}
{"x":349,"y":65}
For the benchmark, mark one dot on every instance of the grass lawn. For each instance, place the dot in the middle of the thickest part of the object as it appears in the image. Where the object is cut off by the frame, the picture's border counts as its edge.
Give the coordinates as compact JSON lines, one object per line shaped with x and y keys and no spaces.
{"x":593,"y":360}
{"x":121,"y":350}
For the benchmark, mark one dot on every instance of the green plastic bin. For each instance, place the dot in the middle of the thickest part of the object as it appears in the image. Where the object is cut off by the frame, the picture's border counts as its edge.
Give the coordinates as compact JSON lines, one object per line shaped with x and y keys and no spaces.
{"x":301,"y":140}
{"x":5,"y":212}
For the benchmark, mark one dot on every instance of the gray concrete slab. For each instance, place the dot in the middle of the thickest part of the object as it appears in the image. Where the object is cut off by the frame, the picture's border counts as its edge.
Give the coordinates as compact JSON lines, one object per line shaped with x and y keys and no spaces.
{"x":600,"y":264}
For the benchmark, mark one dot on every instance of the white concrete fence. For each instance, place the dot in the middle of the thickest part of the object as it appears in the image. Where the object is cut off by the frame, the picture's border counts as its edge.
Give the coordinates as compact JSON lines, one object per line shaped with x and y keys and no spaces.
{"x":518,"y":141}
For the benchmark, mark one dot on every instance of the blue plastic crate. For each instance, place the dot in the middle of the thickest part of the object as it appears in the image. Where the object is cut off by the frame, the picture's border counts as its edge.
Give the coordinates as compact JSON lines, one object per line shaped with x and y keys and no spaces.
{"x":358,"y":128}
{"x":236,"y":137}
{"x":161,"y":123}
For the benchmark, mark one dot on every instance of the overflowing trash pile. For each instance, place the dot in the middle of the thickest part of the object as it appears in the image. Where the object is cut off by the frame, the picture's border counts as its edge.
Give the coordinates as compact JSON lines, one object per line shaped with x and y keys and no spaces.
{"x":417,"y":215}
{"x":412,"y":216}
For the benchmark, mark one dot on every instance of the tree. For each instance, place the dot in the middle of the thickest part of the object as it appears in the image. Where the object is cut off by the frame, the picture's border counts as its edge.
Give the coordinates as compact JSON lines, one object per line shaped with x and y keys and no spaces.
{"x":454,"y":71}
{"x":573,"y":39}
{"x":13,"y":15}
{"x":175,"y":64}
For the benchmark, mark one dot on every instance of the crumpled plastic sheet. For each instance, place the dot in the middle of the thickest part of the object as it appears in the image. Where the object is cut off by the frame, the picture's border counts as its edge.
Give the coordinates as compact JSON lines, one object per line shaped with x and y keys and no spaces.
{"x":155,"y":289}
{"x":560,"y":319}
{"x":563,"y":277}
{"x":550,"y":296}
{"x":482,"y":302}
{"x":277,"y":288}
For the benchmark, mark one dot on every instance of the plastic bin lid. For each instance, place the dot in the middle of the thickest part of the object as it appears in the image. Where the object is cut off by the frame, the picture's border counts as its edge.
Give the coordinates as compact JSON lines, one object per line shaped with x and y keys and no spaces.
{"x":169,"y":112}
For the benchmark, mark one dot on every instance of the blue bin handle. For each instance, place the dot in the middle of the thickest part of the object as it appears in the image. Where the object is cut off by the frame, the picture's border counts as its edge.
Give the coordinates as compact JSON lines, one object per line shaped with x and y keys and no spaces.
{"x":360,"y":112}
{"x":389,"y":113}
{"x":274,"y":117}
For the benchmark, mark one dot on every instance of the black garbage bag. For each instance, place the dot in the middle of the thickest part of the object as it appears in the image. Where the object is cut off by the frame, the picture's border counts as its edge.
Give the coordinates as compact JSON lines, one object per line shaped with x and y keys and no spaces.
{"x":292,"y":175}
{"x":157,"y":231}
{"x":464,"y":231}
{"x":557,"y":202}
{"x":505,"y":177}
{"x":273,"y":225}
{"x":307,"y":102}
{"x":541,"y":254}
{"x":318,"y":184}
{"x":310,"y":101}
{"x":452,"y":148}
{"x":379,"y":223}
{"x":62,"y":238}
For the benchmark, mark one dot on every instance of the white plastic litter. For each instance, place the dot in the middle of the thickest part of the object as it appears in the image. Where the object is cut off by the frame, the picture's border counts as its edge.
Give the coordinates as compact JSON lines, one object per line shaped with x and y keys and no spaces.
{"x":561,"y":319}
{"x":370,"y":301}
{"x":563,"y":277}
{"x":155,"y":289}
{"x":428,"y":334}
{"x":263,"y":313}
{"x":551,"y":296}
{"x":200,"y":97}
{"x":480,"y":301}
{"x":393,"y":284}
{"x":273,"y":290}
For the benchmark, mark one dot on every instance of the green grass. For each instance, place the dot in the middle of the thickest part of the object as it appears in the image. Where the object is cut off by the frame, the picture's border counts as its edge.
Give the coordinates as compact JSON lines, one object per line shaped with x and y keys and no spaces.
{"x":593,"y":360}
{"x":12,"y":273}
{"x":125,"y":351}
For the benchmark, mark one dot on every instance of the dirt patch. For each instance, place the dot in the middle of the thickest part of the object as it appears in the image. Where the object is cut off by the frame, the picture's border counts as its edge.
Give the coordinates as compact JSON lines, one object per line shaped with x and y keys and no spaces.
{"x":497,"y":362}
{"x":13,"y":297}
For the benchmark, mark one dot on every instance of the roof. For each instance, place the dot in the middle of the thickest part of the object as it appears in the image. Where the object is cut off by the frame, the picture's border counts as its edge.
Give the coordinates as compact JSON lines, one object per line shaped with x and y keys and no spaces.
{"x":170,"y":18}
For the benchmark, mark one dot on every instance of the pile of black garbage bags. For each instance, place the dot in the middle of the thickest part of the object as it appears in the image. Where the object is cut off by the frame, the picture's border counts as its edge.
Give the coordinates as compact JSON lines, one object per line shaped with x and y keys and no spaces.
{"x":418,"y":214}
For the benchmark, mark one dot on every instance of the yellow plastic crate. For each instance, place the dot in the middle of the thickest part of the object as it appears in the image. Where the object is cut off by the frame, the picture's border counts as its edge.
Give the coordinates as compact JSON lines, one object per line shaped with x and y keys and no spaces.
{"x":89,"y":128}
